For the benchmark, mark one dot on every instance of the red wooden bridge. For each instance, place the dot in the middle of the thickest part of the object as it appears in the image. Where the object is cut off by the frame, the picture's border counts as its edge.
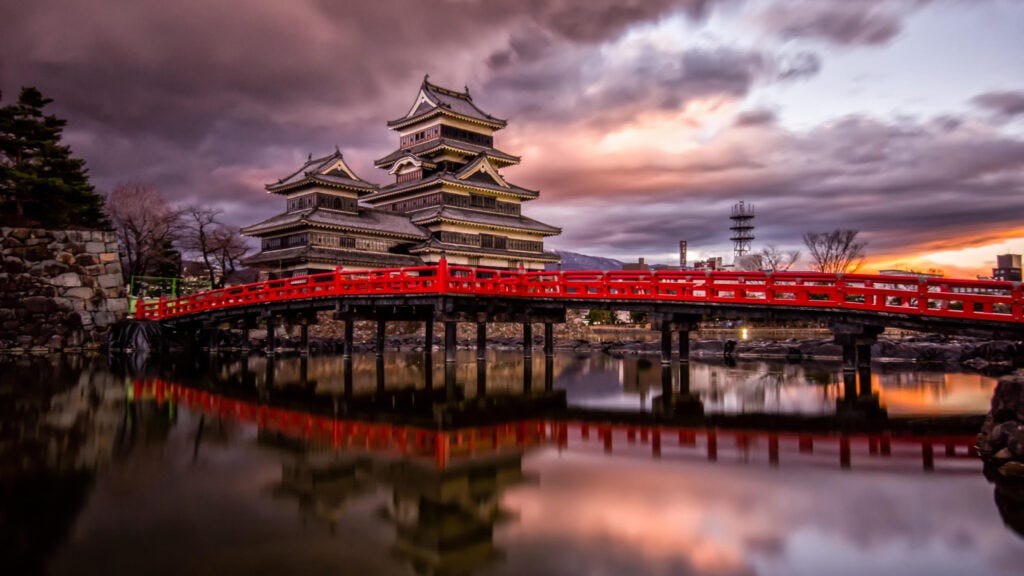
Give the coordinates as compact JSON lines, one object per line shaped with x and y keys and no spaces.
{"x":886,"y":300}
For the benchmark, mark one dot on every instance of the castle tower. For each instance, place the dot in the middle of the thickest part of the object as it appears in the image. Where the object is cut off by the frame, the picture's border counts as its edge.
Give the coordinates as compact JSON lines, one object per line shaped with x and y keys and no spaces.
{"x":324,"y":225}
{"x":447,"y":180}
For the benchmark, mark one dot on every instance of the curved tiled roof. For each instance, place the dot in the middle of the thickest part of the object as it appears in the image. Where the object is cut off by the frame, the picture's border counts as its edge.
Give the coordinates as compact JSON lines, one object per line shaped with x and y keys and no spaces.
{"x":319,"y":170}
{"x":470,"y":216}
{"x":435,"y":245}
{"x":368,"y":220}
{"x":439,"y":143}
{"x":444,"y":100}
{"x":339,"y":257}
{"x":448,"y":177}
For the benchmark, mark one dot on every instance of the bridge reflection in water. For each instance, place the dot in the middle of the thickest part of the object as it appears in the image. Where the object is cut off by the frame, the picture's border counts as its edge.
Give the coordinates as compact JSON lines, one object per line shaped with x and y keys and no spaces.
{"x":447,"y":482}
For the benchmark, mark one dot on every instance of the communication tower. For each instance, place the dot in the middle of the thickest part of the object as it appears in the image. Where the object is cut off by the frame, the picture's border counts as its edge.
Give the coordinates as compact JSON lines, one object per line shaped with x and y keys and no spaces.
{"x":742,"y":228}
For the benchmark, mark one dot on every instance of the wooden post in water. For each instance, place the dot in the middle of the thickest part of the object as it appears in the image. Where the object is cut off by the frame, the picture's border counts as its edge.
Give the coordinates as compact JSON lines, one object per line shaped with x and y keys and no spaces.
{"x":481,"y":358}
{"x":304,"y":338}
{"x":271,"y":336}
{"x":347,"y":346}
{"x":381,"y":331}
{"x":666,"y":343}
{"x":450,"y":337}
{"x":245,"y":336}
{"x":428,"y":354}
{"x":864,"y":369}
{"x":527,"y":356}
{"x":684,"y":361}
{"x":549,"y":356}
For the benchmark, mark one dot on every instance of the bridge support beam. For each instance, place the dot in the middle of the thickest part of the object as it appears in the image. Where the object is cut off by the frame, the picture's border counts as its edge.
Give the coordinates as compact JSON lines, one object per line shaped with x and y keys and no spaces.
{"x":527,"y":356}
{"x":856,"y":340}
{"x":450,"y":365}
{"x":244,"y":325}
{"x":683,"y":403}
{"x":346,"y":347}
{"x":271,"y":335}
{"x":381,"y":332}
{"x":666,"y":343}
{"x":428,"y":354}
{"x":481,"y":358}
{"x":864,"y":369}
{"x":304,"y":338}
{"x":214,"y":334}
{"x":549,"y":356}
{"x":684,"y":362}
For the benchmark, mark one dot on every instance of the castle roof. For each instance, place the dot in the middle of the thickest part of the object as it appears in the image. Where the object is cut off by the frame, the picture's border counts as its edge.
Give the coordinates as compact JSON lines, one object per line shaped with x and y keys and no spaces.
{"x":481,"y":218}
{"x":435,"y":245}
{"x":368,"y":221}
{"x":330,"y":171}
{"x":439,"y":144}
{"x":334,"y":256}
{"x":434,"y":100}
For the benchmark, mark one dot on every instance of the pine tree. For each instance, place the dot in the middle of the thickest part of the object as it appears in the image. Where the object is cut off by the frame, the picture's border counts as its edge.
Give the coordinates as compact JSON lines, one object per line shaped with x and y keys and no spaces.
{"x":41,"y":184}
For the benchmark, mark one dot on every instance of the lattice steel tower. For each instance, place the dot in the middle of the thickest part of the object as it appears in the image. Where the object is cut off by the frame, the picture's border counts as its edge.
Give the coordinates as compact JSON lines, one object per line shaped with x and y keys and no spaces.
{"x":742,"y":228}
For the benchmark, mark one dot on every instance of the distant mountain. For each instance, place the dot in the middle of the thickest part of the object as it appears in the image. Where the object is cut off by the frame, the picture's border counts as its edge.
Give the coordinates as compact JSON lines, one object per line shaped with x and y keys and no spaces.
{"x":577,"y":261}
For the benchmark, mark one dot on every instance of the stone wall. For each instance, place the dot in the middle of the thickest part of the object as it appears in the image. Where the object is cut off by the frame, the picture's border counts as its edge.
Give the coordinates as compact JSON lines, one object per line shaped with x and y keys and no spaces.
{"x":58,"y":289}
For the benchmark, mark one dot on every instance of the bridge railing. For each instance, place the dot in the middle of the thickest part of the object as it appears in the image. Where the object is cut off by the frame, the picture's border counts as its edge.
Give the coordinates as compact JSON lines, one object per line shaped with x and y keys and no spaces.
{"x":940,"y":297}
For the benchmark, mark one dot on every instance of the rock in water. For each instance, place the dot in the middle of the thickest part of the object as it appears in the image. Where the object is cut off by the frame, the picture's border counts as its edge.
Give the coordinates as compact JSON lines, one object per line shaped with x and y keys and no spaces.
{"x":138,"y":335}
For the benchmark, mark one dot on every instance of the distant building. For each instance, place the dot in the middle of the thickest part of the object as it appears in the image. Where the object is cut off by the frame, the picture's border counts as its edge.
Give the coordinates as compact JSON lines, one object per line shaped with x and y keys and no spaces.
{"x":1008,"y":267}
{"x":448,"y":199}
{"x":638,"y":265}
{"x":709,"y":264}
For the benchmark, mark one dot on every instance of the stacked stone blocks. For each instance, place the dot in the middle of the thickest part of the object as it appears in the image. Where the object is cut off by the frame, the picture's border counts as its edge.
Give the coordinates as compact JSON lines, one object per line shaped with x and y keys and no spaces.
{"x":59,"y":289}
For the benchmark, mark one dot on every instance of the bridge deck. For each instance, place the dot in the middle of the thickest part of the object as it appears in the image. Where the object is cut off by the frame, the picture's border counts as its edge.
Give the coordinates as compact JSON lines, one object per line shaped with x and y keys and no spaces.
{"x":993,"y":303}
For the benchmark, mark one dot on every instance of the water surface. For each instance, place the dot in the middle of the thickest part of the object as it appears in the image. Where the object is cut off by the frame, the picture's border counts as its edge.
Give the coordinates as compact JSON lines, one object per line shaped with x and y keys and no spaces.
{"x":101,"y":477}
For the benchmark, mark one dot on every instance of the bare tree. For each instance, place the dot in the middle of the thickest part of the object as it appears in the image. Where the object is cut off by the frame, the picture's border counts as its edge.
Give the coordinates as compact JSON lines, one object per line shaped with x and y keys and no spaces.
{"x":774,"y":259}
{"x":147,"y":228}
{"x":219,"y":247}
{"x":835,"y":252}
{"x":228,"y":248}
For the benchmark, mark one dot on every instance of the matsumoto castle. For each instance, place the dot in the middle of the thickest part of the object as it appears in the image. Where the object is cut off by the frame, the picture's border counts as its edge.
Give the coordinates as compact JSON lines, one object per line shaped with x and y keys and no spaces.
{"x":447,"y":198}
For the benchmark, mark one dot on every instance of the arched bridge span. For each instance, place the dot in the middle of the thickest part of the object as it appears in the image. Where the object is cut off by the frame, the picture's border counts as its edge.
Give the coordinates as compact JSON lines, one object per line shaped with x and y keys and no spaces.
{"x":457,"y":293}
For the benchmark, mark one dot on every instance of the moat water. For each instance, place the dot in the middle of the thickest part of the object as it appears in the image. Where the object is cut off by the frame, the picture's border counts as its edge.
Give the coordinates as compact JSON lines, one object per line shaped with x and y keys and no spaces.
{"x":214,"y":468}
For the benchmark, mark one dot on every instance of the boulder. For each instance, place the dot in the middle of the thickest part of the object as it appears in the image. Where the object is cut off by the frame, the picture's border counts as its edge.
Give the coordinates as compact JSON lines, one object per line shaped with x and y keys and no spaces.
{"x":66,"y":280}
{"x":39,"y":304}
{"x":110,"y":280}
{"x":80,"y":293}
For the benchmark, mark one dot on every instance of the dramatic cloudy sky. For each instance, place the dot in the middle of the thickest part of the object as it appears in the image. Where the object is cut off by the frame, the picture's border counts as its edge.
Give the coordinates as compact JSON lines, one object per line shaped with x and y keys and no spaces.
{"x":641,"y":122}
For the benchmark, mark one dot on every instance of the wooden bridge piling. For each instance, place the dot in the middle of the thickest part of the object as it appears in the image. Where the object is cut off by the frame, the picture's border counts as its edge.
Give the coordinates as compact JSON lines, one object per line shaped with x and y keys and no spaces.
{"x":271,"y":335}
{"x":481,"y":357}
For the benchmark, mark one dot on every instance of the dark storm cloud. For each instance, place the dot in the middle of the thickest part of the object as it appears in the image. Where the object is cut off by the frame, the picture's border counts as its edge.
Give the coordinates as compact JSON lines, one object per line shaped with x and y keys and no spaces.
{"x":575,"y":84}
{"x":849,"y":22}
{"x":210,"y":100}
{"x":908,"y":185}
{"x":1004,"y":104}
{"x":597,"y":20}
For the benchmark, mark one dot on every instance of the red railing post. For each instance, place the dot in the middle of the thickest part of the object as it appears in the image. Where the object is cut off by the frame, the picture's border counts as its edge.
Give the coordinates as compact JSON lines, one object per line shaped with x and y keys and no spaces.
{"x":442,"y":275}
{"x":922,"y":295}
